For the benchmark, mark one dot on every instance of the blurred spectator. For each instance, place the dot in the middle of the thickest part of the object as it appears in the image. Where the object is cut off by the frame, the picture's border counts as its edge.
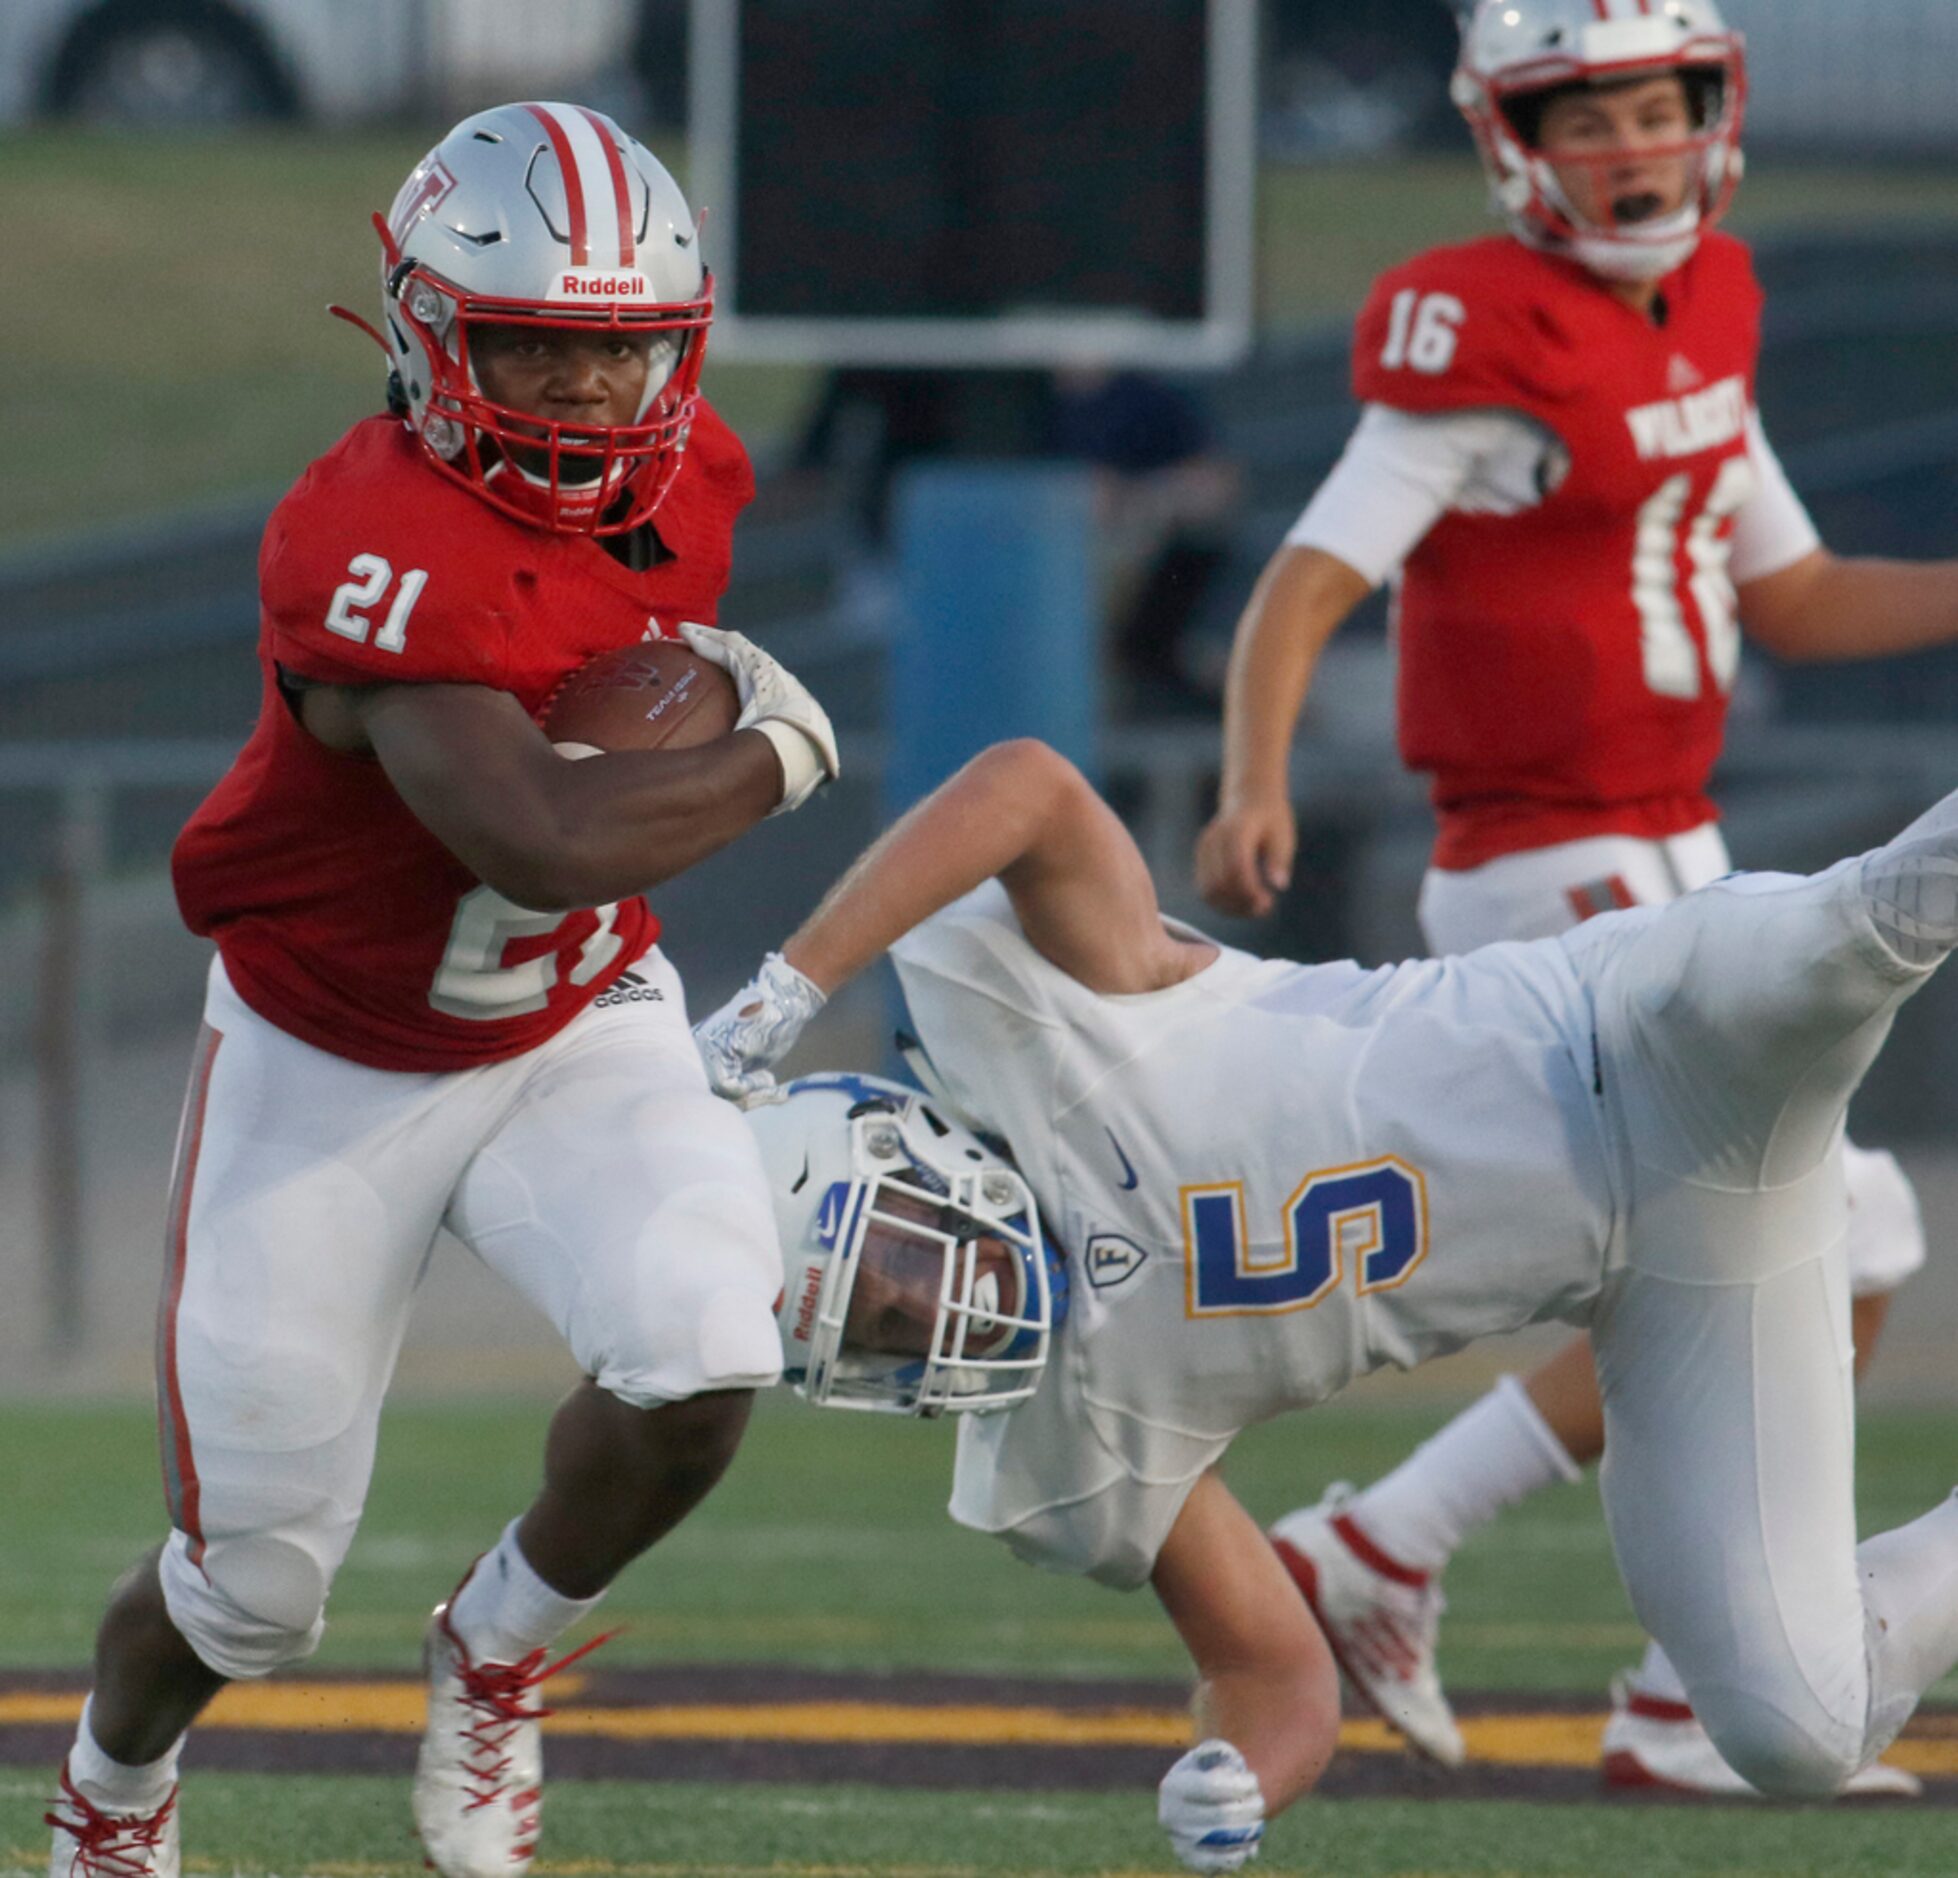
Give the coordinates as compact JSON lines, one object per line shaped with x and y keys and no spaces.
{"x":1166,"y":497}
{"x":870,"y":419}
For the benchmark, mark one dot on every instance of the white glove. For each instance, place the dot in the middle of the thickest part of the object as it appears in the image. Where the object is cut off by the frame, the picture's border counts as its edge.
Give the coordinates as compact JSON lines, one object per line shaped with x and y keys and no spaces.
{"x":776,"y":703}
{"x":752,"y":1032}
{"x":1211,"y":1807}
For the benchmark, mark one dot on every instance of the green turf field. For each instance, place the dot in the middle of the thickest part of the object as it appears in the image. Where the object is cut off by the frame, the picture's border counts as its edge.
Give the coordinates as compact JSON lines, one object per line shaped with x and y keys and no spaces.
{"x":206,"y":366}
{"x":245,"y":1826}
{"x":827,"y":1547}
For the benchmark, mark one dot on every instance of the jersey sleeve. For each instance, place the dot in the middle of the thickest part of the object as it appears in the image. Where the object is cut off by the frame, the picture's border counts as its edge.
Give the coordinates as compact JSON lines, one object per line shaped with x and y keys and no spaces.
{"x":1773,"y":529}
{"x":977,"y":999}
{"x":1400,"y":473}
{"x":1444,"y":333}
{"x":975,"y":948}
{"x":360,"y":587}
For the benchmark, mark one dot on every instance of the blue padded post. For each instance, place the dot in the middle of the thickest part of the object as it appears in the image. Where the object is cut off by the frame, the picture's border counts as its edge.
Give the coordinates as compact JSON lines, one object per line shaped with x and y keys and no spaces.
{"x":999,"y":631}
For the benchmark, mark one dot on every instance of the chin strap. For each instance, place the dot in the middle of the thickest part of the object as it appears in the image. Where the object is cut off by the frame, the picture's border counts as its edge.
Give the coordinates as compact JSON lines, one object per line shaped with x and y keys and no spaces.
{"x":367,"y":326}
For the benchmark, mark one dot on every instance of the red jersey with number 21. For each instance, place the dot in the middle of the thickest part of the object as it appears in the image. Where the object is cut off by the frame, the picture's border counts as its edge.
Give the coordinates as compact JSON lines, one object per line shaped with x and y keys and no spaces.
{"x":1564,"y":671}
{"x":339,"y":916}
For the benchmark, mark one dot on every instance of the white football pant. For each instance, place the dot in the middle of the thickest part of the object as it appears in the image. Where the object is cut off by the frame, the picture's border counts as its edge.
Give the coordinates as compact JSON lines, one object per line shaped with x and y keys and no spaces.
{"x":596,"y":1174}
{"x":1732,"y":1032}
{"x":1544,"y":891}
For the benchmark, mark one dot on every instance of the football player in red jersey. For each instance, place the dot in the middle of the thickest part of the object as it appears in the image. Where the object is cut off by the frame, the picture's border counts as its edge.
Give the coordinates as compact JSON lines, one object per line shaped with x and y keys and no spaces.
{"x":1560,"y":460}
{"x":417,"y":905}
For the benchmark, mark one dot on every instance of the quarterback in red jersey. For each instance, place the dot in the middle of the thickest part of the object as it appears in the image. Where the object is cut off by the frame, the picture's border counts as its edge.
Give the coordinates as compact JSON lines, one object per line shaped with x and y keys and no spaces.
{"x":418,"y":904}
{"x":1560,"y":466}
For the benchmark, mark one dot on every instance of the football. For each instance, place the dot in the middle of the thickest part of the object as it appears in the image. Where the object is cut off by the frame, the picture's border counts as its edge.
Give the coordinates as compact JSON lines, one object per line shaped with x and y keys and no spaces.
{"x":658,"y":695}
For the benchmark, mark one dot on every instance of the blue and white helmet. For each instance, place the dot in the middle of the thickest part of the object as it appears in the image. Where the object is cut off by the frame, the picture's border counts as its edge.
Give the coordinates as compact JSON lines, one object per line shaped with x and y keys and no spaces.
{"x":917,"y":1279}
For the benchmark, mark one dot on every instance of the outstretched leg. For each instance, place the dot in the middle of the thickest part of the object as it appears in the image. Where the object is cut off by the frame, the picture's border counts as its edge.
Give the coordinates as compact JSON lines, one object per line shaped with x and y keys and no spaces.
{"x":1370,"y":1561}
{"x":1733,"y":1030}
{"x":287,"y":1283}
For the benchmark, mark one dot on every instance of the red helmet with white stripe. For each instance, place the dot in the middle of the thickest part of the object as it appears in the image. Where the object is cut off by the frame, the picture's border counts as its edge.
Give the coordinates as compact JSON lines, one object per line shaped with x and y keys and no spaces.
{"x":1516,"y":52}
{"x":547,"y":216}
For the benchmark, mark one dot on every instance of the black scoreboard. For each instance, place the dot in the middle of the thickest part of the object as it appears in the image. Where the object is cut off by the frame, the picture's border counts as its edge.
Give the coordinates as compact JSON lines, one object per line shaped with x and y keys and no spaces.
{"x":959,"y":182}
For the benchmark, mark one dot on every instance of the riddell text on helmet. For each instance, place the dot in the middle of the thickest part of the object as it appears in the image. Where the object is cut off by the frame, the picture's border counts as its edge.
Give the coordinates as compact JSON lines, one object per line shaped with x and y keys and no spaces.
{"x":604,"y":286}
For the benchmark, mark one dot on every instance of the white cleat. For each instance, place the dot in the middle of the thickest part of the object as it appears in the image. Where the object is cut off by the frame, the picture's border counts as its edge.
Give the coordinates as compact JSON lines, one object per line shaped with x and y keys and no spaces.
{"x":1380,"y":1619}
{"x":1651,"y":1741}
{"x":89,"y":1843}
{"x":479,"y":1779}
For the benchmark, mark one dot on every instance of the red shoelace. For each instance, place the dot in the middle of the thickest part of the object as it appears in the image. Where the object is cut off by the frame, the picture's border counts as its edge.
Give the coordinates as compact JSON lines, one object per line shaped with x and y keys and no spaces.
{"x":110,"y":1845}
{"x":498,"y":1694}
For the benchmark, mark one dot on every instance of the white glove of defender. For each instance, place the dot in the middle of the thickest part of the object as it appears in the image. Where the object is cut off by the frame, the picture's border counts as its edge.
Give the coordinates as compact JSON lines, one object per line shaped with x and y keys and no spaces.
{"x":776,"y":703}
{"x":752,"y":1032}
{"x":1212,"y":1808}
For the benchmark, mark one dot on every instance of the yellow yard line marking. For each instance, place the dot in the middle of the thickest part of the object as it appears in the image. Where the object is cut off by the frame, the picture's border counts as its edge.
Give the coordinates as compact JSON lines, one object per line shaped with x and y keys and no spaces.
{"x":1515,"y":1740}
{"x":398,"y":1708}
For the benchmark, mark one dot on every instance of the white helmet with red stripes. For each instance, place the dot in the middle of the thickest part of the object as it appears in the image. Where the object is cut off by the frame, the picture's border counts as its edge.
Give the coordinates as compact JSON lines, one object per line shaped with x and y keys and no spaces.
{"x":545,"y":215}
{"x":1515,"y":53}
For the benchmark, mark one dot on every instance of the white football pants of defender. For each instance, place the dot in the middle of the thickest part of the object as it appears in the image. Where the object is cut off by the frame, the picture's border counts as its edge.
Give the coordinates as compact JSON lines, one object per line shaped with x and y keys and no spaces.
{"x":596,"y":1173}
{"x":1732,"y":1031}
{"x":1540,"y":892}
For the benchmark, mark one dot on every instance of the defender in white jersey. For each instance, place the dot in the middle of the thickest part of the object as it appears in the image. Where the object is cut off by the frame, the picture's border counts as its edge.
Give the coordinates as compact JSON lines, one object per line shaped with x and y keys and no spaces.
{"x":1268,"y":1178}
{"x":1298,"y":1138}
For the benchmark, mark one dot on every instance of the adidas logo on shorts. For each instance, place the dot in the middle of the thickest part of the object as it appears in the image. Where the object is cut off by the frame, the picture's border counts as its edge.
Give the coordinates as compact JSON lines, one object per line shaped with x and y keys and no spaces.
{"x":630,"y":988}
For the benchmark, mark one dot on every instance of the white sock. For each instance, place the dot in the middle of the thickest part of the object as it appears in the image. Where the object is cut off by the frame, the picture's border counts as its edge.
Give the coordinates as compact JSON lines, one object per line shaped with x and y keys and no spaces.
{"x":1497,"y":1451}
{"x":1657,"y":1678}
{"x":1910,"y":1592}
{"x":504,"y":1610}
{"x":112,"y":1786}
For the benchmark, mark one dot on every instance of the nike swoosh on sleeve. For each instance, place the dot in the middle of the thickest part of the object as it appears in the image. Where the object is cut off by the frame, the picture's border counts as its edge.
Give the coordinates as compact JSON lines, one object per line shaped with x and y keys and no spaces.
{"x":1128,"y":1166}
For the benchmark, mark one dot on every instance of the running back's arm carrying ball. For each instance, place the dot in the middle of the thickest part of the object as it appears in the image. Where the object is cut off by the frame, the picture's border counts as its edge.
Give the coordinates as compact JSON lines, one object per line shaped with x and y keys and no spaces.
{"x":660,"y":695}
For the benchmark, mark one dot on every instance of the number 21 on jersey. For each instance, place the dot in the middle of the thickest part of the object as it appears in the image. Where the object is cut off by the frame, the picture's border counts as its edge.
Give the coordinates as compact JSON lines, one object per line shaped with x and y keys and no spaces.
{"x":370,"y":578}
{"x":1372,"y":1216}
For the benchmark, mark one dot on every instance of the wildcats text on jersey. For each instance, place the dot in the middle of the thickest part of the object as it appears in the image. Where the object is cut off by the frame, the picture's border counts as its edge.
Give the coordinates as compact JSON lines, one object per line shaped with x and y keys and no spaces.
{"x":1703,"y":420}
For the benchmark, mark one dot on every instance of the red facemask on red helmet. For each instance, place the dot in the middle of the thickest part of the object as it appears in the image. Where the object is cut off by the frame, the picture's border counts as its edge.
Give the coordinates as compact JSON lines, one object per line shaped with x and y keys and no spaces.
{"x":544,"y":216}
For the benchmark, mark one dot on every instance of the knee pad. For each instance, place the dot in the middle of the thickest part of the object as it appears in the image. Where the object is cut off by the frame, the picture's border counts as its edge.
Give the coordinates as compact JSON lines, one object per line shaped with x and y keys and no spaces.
{"x":207,"y":1603}
{"x":1785,"y":1758}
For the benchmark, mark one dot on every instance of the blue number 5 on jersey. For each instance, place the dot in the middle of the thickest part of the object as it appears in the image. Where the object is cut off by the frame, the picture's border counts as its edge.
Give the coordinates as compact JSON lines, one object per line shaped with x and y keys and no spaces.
{"x":1373,"y":1216}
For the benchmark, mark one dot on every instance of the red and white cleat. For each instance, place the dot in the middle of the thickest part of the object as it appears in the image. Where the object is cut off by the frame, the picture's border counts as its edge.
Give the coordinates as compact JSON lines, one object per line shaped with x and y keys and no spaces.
{"x":89,"y":1843}
{"x":479,"y":1779}
{"x":1651,"y":1741}
{"x":1379,"y":1617}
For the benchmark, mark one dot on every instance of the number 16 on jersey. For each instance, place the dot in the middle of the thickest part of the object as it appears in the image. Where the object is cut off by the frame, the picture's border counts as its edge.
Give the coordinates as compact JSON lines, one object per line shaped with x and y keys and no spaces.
{"x":1371,"y":1217}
